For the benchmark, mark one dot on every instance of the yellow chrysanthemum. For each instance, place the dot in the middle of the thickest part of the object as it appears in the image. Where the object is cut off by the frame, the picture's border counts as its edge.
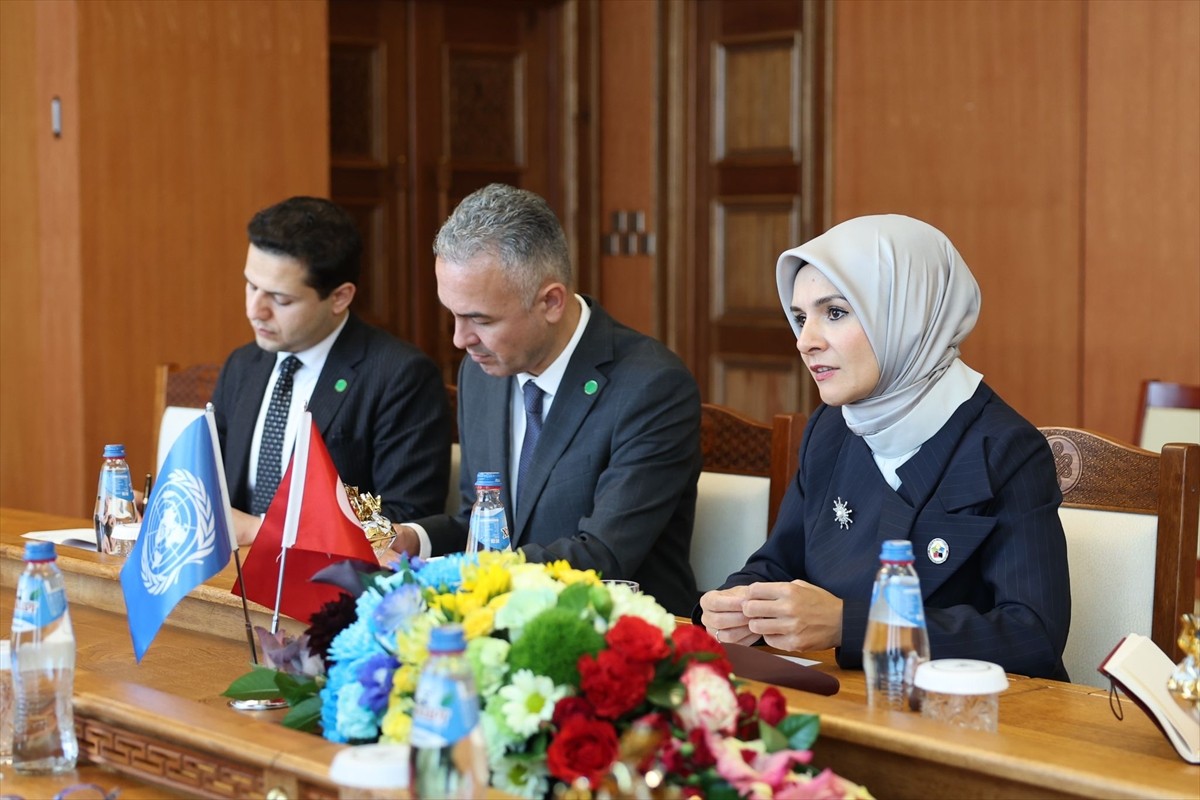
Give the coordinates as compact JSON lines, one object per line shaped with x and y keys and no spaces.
{"x":404,"y":681}
{"x":563,"y":571}
{"x":479,"y":622}
{"x":395,"y":727}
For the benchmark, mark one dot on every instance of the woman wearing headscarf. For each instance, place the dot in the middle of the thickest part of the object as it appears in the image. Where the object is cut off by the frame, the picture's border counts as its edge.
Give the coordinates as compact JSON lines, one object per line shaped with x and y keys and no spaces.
{"x":908,"y":443}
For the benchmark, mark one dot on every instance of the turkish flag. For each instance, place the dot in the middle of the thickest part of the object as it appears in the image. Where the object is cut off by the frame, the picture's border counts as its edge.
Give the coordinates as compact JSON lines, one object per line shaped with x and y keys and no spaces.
{"x":315,"y":523}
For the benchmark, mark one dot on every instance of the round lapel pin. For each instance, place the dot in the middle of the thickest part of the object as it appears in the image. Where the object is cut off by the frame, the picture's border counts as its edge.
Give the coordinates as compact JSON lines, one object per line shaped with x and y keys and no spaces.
{"x":938,"y":551}
{"x":590,"y":387}
{"x":340,"y":385}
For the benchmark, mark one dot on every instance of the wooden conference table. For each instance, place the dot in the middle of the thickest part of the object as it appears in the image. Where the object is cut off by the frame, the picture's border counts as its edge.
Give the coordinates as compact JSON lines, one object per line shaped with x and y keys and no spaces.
{"x":163,"y":724}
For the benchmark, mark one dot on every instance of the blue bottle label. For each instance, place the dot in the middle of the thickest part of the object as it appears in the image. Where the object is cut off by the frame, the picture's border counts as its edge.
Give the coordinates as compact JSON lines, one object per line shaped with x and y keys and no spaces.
{"x":118,"y":484}
{"x":490,"y":528}
{"x":446,"y":710}
{"x":37,"y":604}
{"x":904,"y":600}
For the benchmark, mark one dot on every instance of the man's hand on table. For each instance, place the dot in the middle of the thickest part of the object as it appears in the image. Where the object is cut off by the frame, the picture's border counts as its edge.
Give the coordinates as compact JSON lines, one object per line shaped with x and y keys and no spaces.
{"x":245,"y":526}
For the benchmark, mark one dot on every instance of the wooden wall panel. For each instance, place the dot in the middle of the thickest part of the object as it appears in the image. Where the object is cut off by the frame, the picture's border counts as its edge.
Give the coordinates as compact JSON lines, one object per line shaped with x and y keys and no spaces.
{"x":1142,"y":227}
{"x":630,"y":285}
{"x":180,"y":120}
{"x":25,"y":445}
{"x":757,"y":386}
{"x":968,"y":115}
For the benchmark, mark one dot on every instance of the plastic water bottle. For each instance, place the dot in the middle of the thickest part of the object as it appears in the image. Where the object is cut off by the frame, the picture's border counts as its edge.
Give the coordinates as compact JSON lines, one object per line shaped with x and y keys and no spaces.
{"x":448,"y":754}
{"x":43,"y":646}
{"x":489,"y":523}
{"x":116,"y":516}
{"x":896,"y":640}
{"x":6,"y":703}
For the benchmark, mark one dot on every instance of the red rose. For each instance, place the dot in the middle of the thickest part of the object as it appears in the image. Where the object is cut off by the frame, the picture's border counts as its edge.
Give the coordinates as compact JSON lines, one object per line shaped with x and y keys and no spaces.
{"x":772,"y":708}
{"x":571,"y":707}
{"x":702,"y":756}
{"x":612,"y":683}
{"x":747,"y":724}
{"x":694,"y":639}
{"x":582,"y":748}
{"x":638,"y":640}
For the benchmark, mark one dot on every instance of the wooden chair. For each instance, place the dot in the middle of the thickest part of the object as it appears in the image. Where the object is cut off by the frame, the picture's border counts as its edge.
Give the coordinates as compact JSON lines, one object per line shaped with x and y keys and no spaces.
{"x":747,"y":466}
{"x":1130,"y":517}
{"x":180,"y":394}
{"x":1169,"y":412}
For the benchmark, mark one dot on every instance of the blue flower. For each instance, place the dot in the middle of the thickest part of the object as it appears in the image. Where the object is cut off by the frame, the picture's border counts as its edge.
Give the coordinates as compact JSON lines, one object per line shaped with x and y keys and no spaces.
{"x":337,"y":678}
{"x":375,"y":676}
{"x":396,"y":612}
{"x":444,"y":574}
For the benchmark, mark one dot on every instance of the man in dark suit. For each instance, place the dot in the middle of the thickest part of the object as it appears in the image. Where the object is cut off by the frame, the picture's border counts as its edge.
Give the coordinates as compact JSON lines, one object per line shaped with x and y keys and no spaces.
{"x":378,"y":402}
{"x":594,"y":428}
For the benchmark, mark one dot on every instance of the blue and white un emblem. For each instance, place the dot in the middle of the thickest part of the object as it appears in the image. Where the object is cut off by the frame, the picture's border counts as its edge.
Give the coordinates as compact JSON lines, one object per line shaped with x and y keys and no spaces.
{"x":178,"y":530}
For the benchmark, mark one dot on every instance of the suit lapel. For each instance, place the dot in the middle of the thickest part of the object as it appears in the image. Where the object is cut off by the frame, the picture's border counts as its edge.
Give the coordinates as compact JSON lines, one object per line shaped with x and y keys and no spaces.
{"x":347,"y":352}
{"x":570,"y":408}
{"x":243,"y":416}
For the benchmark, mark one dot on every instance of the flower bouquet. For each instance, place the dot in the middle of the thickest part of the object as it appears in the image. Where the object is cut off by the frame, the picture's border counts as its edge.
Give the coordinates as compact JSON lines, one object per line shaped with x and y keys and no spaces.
{"x":578,"y":681}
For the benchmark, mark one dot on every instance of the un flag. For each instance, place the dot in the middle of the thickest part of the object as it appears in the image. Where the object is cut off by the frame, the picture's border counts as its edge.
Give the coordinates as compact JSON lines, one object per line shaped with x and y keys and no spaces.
{"x":185,"y":537}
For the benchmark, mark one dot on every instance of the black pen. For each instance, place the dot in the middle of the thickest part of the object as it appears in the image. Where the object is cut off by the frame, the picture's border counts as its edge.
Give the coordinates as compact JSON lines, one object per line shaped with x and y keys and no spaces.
{"x":146,"y":494}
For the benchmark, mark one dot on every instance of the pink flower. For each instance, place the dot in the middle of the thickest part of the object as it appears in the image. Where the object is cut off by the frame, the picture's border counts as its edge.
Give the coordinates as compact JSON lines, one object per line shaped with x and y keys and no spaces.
{"x":711,"y":703}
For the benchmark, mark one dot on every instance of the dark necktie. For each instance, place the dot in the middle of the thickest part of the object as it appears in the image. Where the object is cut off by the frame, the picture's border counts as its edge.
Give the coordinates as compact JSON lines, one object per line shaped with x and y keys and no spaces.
{"x":270,"y":449}
{"x":533,"y":429}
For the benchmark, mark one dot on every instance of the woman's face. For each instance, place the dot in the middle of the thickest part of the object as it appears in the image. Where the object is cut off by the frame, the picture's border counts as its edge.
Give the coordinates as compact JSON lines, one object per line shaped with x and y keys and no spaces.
{"x":832,"y":341}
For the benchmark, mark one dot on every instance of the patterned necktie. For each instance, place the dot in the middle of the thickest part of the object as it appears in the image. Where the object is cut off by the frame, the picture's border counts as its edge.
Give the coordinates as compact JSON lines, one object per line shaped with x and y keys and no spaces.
{"x":270,"y":450}
{"x":533,"y":429}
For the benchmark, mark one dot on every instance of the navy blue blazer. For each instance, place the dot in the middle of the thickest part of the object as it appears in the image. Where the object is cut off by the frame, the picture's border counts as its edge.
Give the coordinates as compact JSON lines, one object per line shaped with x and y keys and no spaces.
{"x":985,"y":485}
{"x":613,"y":483}
{"x":387,"y":430}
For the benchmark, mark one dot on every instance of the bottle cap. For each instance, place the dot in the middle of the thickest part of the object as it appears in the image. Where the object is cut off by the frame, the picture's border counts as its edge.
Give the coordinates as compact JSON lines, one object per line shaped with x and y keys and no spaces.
{"x":39,"y":551}
{"x":114,"y":451}
{"x":896,"y":550}
{"x":961,"y":676}
{"x":371,"y":766}
{"x":487,"y":479}
{"x":447,"y":639}
{"x":5,"y":654}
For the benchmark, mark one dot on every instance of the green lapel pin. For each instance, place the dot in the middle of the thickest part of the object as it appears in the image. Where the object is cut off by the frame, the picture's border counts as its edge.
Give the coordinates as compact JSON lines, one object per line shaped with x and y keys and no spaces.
{"x":340,"y":386}
{"x":590,"y":387}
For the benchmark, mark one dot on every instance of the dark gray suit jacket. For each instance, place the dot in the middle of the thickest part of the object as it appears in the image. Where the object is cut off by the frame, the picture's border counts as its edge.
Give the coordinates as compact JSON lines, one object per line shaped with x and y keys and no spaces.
{"x":986,"y":485}
{"x":613,"y":483}
{"x":388,"y":431}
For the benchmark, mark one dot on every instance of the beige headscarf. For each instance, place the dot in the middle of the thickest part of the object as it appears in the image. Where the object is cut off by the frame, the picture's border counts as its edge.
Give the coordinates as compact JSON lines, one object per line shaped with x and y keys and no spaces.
{"x":917,"y":300}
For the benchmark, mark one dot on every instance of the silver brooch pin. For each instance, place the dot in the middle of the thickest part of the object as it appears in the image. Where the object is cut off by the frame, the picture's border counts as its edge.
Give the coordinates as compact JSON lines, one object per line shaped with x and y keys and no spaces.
{"x":841,"y":514}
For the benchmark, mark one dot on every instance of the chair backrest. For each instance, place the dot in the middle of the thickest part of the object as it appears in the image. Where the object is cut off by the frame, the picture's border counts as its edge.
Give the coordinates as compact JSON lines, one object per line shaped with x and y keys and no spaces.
{"x":1130,"y":517}
{"x":1169,"y":412}
{"x":180,"y":394}
{"x":745,"y":472}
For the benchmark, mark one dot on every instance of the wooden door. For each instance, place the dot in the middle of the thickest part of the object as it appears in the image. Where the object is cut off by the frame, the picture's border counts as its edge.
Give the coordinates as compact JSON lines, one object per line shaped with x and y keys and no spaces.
{"x":754,"y":172}
{"x":432,"y":100}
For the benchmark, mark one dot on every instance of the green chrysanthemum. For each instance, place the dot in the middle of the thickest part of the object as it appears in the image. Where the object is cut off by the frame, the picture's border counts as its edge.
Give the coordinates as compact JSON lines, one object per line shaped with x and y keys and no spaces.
{"x":552,"y":643}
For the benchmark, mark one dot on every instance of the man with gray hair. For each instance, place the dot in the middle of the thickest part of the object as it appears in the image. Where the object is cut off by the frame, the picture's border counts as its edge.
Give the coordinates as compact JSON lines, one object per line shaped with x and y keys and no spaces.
{"x":594,"y":427}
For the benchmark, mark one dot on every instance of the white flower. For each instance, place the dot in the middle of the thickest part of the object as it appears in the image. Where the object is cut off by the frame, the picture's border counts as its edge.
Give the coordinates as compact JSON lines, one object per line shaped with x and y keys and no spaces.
{"x":529,"y":701}
{"x":711,"y":704}
{"x":523,"y":606}
{"x":522,"y":776}
{"x":496,"y":732}
{"x":488,"y":658}
{"x":533,"y":576}
{"x":628,"y":602}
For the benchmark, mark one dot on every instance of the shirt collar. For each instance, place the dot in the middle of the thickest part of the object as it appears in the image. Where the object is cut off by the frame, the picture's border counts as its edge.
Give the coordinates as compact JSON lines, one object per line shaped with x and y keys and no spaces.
{"x":552,"y":376}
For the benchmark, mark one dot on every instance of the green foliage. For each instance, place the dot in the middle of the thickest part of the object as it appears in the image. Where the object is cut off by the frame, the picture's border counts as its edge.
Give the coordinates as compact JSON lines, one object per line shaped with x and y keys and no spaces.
{"x":552,"y":643}
{"x":258,"y":684}
{"x":305,"y":715}
{"x":801,"y":730}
